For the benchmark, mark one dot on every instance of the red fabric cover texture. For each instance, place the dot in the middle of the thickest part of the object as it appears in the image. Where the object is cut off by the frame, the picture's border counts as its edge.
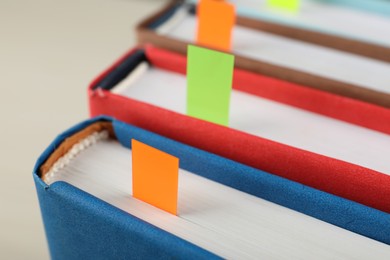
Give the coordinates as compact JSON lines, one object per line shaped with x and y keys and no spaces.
{"x":334,"y":176}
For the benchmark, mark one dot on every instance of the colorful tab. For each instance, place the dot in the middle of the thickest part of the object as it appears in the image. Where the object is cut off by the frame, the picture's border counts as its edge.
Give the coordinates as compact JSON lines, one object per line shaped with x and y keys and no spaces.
{"x":209,"y":84}
{"x":215,"y":23}
{"x":155,"y":176}
{"x":288,"y":5}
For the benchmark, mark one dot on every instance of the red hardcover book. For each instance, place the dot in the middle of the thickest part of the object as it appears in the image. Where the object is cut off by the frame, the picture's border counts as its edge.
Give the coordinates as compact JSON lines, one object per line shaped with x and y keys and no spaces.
{"x":356,"y":180}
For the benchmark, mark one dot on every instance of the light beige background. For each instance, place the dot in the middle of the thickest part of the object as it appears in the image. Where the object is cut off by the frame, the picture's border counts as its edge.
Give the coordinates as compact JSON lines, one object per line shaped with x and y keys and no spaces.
{"x":49,"y":51}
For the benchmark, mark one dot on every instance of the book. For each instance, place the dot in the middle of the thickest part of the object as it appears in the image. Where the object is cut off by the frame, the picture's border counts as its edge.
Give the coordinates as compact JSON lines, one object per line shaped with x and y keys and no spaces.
{"x":226,"y":209}
{"x":330,"y":23}
{"x":276,"y":54}
{"x":320,"y":152}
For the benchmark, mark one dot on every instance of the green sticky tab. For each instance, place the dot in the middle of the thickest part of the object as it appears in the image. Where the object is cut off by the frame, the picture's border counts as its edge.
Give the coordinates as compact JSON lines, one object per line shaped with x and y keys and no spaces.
{"x":288,"y":5}
{"x":209,"y":84}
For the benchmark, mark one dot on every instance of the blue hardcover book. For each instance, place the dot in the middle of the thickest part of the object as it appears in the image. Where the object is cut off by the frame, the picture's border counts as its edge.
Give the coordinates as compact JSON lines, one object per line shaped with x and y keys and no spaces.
{"x":225,"y":209}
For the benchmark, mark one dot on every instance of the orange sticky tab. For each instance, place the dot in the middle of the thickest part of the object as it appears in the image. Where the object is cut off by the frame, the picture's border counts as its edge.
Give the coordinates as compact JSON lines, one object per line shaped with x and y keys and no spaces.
{"x":155,"y":176}
{"x":215,"y":23}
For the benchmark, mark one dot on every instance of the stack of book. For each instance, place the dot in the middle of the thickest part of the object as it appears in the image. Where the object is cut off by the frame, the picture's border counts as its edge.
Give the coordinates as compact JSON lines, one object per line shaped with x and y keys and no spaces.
{"x":238,"y":129}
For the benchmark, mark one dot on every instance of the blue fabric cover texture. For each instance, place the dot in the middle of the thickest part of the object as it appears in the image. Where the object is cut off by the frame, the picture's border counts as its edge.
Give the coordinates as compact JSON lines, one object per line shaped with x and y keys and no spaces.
{"x":81,"y":226}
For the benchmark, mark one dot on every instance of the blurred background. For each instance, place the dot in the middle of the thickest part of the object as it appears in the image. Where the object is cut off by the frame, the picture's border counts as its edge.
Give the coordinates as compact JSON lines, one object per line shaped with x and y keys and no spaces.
{"x":49,"y":52}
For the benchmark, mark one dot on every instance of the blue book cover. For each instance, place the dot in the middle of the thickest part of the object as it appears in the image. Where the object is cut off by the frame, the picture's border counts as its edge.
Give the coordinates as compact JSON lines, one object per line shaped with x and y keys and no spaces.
{"x":80,"y":225}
